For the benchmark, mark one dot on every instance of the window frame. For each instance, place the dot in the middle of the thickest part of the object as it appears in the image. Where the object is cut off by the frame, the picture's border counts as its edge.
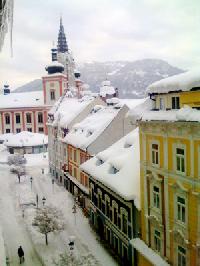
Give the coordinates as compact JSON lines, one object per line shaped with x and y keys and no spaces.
{"x":181,"y":255}
{"x":181,"y":157}
{"x":157,"y":241}
{"x":17,"y":115}
{"x":29,"y":117}
{"x":152,"y":150}
{"x":176,"y":104}
{"x":52,"y":95}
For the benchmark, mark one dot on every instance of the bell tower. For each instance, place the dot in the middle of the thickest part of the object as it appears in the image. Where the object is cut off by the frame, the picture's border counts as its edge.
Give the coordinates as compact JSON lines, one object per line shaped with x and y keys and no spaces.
{"x":55,"y":82}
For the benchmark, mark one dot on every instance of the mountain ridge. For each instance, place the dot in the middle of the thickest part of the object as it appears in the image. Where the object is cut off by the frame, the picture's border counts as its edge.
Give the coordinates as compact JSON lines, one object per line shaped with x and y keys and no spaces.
{"x":130,"y":77}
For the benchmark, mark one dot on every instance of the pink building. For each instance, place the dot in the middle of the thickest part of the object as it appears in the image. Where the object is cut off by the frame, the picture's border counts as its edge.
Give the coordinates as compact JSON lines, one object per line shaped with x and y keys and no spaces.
{"x":28,"y":110}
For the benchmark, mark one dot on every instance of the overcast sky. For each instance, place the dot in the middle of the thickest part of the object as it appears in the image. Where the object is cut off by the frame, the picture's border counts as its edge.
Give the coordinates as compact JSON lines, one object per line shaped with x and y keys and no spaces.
{"x":101,"y":30}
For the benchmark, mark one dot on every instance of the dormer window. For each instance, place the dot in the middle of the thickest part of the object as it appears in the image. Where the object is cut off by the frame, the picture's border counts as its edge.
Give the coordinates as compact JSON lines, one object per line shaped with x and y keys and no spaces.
{"x":89,"y":133}
{"x":113,"y":170}
{"x":175,"y":103}
{"x":99,"y":162}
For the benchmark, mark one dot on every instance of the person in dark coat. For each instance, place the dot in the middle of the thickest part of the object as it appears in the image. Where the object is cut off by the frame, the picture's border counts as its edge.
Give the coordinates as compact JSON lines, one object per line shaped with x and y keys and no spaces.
{"x":20,"y":254}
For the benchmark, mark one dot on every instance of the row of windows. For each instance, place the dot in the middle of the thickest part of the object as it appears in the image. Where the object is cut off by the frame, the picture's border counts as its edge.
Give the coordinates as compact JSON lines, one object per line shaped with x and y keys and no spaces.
{"x":180,"y":160}
{"x":180,"y":204}
{"x":28,"y":118}
{"x":175,"y":103}
{"x":29,"y":129}
{"x":73,"y":156}
{"x":119,"y":216}
{"x":181,"y":251}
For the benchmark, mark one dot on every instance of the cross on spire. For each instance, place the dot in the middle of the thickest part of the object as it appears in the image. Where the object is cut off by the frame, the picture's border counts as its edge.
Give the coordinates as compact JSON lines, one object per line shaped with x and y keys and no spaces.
{"x":62,"y":43}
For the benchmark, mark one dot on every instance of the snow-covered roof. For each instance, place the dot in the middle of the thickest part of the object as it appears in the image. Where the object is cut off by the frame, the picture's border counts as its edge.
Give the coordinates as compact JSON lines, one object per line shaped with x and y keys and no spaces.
{"x":106,"y":89}
{"x":66,"y":109}
{"x":87,"y":131}
{"x":5,"y":137}
{"x":27,"y":139}
{"x":123,"y":157}
{"x":22,"y":99}
{"x":184,"y":114}
{"x":137,"y":112}
{"x":148,"y":253}
{"x":132,"y":103}
{"x":55,"y":64}
{"x":181,"y":82}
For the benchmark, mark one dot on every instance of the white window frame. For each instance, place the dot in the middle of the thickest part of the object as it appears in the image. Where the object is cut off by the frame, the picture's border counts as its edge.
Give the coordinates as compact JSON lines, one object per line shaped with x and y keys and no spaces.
{"x":181,"y":206}
{"x":182,"y":256}
{"x":151,"y":153}
{"x":125,"y":213}
{"x":114,"y":206}
{"x":159,"y":240}
{"x":157,"y":196}
{"x":180,"y":146}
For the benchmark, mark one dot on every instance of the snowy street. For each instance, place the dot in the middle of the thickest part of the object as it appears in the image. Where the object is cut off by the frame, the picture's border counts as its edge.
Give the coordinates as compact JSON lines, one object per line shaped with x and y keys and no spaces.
{"x":19,"y":231}
{"x":14,"y":231}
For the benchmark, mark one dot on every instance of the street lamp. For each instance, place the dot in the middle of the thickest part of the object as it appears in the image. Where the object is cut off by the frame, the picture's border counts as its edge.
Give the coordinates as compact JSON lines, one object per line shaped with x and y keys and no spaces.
{"x":31,"y":179}
{"x":43,"y":200}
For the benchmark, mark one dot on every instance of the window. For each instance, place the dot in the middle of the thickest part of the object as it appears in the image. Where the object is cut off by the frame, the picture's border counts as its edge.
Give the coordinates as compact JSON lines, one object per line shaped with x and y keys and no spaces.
{"x":156,"y":197}
{"x":52,"y":95}
{"x":40,"y":118}
{"x":7,"y":118}
{"x":115,"y":215}
{"x":107,"y":207}
{"x":100,"y":201}
{"x":175,"y":103}
{"x":181,"y":215}
{"x":18,"y":130}
{"x":86,"y":181}
{"x":82,"y":178}
{"x":75,"y":156}
{"x":28,"y":118}
{"x":7,"y":130}
{"x":75,"y":172}
{"x":157,"y":241}
{"x":41,"y":129}
{"x":29,"y":129}
{"x":154,"y":153}
{"x":181,"y":256}
{"x":124,"y":223}
{"x":162,"y":104}
{"x":17,"y":118}
{"x":180,"y":160}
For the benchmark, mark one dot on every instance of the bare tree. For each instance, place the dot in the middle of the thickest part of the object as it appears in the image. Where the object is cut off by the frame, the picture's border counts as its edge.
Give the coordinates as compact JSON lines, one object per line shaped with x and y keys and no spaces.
{"x":48,"y":219}
{"x":16,"y":159}
{"x":17,"y":164}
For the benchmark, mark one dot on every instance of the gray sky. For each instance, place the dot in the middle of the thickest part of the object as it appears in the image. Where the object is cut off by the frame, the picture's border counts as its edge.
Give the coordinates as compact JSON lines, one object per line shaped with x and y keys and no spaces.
{"x":101,"y":30}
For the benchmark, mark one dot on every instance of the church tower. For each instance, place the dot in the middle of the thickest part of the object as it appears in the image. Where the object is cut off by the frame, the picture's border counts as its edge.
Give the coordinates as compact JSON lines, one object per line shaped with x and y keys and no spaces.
{"x":55,"y":83}
{"x":65,"y":56}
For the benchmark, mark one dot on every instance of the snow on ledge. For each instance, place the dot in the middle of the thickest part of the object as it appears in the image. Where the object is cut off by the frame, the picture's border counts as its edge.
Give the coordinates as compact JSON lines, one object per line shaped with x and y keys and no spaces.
{"x":181,"y":82}
{"x":148,"y":253}
{"x":185,"y":114}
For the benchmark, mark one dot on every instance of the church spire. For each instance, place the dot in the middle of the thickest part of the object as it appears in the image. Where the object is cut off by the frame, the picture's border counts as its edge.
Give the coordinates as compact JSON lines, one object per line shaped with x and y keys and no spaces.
{"x":62,"y":43}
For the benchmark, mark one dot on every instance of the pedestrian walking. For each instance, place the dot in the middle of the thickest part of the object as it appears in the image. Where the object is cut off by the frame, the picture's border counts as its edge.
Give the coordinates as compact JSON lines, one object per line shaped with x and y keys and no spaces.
{"x":21,"y":254}
{"x":18,"y":177}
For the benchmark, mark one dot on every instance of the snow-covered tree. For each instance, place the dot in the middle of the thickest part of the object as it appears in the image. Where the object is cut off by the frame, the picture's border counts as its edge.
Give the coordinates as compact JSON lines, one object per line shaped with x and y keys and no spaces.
{"x":16,"y":159}
{"x":72,"y":260}
{"x":48,"y":219}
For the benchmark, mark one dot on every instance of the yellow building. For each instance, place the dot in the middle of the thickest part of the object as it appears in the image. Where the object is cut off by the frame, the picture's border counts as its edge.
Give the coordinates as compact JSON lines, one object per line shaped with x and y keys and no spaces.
{"x":170,"y":174}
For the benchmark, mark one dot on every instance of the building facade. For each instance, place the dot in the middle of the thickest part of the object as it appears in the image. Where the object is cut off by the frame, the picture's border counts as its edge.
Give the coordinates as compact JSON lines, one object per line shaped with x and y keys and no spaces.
{"x":170,"y":154}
